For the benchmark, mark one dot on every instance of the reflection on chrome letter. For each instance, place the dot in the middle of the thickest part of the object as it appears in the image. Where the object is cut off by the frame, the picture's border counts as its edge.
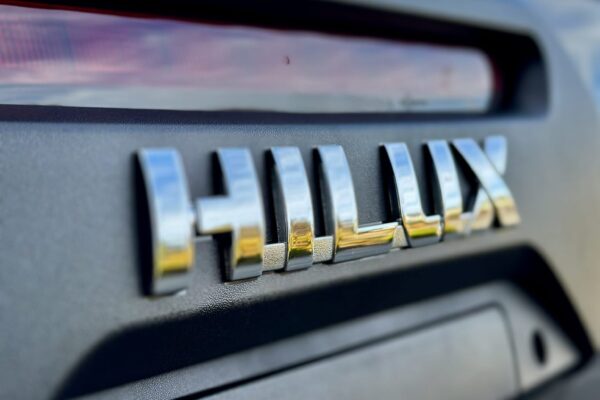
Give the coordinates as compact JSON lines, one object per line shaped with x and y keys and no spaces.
{"x":341,"y":214}
{"x":490,"y":179}
{"x":239,"y":212}
{"x":495,"y":149}
{"x":293,"y":207}
{"x":447,"y":195}
{"x":170,"y":219}
{"x":406,"y":199}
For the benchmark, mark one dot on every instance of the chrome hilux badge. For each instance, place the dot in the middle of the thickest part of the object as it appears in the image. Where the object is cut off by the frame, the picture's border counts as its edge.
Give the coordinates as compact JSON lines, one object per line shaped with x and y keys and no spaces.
{"x":237,"y":217}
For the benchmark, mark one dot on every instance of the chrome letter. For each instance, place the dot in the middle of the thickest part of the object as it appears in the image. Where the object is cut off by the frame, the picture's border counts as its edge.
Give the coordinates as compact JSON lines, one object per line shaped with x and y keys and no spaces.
{"x":447,"y":193}
{"x":171,"y":219}
{"x":489,"y":177}
{"x":406,"y":199}
{"x":341,"y":215}
{"x":293,"y":207}
{"x":239,"y":212}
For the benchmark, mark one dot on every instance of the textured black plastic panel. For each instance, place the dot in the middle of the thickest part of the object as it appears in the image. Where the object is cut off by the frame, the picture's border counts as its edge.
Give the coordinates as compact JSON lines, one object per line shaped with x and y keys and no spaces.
{"x":402,"y":367}
{"x":219,"y":373}
{"x":70,"y":287}
{"x":583,"y":386}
